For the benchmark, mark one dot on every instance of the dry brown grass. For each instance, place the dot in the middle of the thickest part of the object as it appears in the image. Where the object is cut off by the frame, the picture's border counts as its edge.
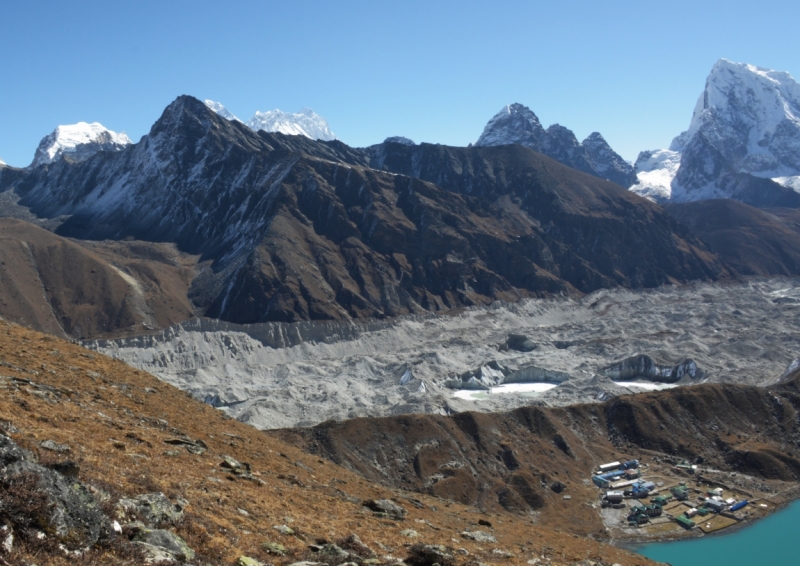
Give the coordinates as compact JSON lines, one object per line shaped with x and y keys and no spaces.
{"x":116,"y":431}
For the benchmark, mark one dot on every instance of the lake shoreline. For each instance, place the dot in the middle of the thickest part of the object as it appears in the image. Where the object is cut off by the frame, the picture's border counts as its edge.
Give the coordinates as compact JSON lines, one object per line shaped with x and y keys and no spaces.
{"x":785,"y":500}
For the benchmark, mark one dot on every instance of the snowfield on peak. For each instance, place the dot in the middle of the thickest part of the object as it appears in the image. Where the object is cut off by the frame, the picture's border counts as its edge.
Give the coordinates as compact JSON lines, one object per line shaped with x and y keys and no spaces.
{"x":655,"y":170}
{"x":304,"y":123}
{"x":78,"y":142}
{"x":746,"y":121}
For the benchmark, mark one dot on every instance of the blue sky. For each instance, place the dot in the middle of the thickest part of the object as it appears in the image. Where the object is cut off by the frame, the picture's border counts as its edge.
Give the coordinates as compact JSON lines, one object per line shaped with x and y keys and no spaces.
{"x":432,"y":71}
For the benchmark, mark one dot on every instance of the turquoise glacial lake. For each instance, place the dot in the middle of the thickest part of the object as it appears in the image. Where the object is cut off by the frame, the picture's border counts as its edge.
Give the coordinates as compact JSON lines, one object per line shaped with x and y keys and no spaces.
{"x":774,"y":540}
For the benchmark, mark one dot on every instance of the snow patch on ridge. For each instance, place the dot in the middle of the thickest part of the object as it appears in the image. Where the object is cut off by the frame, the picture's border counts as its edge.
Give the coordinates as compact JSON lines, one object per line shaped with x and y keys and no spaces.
{"x":792,"y":182}
{"x":221,"y":110}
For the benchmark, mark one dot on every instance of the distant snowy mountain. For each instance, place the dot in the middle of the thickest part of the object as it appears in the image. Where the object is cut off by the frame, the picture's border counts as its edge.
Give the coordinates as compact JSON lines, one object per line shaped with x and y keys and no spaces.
{"x":304,"y":123}
{"x":2,"y":163}
{"x":221,"y":110}
{"x":78,"y":142}
{"x":517,"y":124}
{"x":746,"y":121}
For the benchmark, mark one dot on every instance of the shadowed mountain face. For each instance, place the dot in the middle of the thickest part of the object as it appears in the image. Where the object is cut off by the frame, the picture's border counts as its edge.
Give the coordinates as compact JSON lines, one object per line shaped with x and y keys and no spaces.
{"x":623,"y":239}
{"x":750,"y":240}
{"x":291,"y":229}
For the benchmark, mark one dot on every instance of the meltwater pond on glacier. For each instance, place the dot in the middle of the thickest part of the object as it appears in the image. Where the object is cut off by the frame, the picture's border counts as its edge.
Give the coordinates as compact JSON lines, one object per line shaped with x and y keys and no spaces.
{"x":769,"y":541}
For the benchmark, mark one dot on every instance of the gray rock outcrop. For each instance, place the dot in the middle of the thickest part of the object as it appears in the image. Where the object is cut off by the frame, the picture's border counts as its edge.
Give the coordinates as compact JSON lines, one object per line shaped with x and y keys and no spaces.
{"x":36,"y":497}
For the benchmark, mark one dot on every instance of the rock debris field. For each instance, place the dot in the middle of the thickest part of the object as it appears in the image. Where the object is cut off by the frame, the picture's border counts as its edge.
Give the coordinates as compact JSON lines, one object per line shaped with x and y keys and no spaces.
{"x":743,"y":332}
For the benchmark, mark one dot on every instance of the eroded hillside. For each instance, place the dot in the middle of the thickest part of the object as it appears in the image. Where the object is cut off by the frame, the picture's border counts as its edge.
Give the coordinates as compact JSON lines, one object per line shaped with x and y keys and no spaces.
{"x":85,"y":289}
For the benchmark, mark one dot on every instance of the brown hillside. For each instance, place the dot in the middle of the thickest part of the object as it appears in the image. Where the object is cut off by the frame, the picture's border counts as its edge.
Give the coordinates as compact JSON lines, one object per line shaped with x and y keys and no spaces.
{"x":116,"y":422}
{"x":750,"y":240}
{"x":511,"y":461}
{"x":79,"y":289}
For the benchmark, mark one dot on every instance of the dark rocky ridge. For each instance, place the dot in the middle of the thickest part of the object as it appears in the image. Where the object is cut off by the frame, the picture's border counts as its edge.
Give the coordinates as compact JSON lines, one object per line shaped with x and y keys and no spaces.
{"x":295,"y":229}
{"x":751,"y":241}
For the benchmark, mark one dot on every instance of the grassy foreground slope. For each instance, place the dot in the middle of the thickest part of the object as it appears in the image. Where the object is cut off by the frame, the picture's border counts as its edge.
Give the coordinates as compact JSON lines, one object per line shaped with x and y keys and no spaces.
{"x":116,"y":422}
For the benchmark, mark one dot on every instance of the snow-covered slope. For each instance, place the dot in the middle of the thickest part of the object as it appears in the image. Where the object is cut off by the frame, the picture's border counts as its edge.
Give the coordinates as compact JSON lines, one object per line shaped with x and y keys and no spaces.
{"x":655,"y":170}
{"x":747,"y":120}
{"x":304,"y":123}
{"x":78,"y":142}
{"x":221,"y":110}
{"x":517,"y":124}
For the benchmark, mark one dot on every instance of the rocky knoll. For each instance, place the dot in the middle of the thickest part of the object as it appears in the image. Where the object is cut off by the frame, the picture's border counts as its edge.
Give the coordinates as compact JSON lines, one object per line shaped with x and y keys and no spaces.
{"x":521,"y":461}
{"x":287,"y":228}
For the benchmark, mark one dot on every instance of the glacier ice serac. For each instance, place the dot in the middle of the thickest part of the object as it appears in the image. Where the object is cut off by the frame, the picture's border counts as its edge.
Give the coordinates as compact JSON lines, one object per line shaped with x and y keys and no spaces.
{"x":747,"y":120}
{"x":78,"y":142}
{"x":304,"y":123}
{"x":517,"y":124}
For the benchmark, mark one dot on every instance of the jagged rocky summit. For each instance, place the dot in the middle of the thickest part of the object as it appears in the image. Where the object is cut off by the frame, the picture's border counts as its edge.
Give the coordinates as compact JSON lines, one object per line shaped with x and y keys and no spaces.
{"x":743,"y":142}
{"x":304,"y":123}
{"x":78,"y":142}
{"x":517,"y":124}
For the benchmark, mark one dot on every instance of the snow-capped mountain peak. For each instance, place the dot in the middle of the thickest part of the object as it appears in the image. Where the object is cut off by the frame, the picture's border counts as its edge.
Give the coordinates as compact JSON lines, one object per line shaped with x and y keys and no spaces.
{"x":757,"y":98}
{"x":746,"y":120}
{"x":78,"y":142}
{"x":221,"y":110}
{"x":517,"y":124}
{"x":304,"y":123}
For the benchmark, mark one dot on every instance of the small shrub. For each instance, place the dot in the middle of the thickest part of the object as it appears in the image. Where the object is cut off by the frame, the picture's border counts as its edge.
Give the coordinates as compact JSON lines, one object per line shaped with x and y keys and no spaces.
{"x":24,"y":505}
